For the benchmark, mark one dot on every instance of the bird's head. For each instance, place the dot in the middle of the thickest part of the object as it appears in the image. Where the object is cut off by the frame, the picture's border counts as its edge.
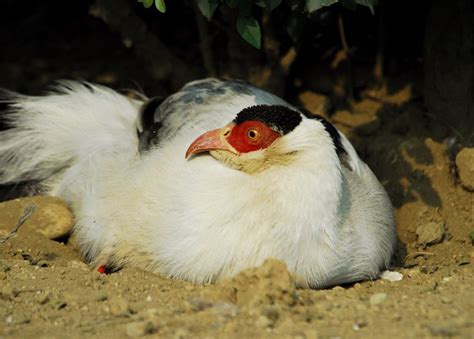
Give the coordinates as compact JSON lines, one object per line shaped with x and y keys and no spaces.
{"x":253,"y":141}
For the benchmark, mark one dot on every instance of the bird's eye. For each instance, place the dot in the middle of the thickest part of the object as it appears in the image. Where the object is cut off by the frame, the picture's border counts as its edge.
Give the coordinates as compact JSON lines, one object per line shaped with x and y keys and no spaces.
{"x":253,"y":134}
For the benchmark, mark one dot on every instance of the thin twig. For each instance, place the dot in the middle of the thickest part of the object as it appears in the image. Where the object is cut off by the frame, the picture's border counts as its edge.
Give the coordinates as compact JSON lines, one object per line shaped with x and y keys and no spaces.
{"x":417,"y":254}
{"x":29,"y":210}
{"x":380,"y":52}
{"x":347,"y":54}
{"x":342,"y":33}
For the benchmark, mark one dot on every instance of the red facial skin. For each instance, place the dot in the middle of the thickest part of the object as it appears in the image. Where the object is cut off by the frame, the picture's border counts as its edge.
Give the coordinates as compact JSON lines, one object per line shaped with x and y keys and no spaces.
{"x":251,"y":136}
{"x":243,"y":138}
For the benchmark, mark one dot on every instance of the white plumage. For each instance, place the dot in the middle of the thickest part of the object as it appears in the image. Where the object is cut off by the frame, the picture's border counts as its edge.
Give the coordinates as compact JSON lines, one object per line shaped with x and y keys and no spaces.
{"x":205,"y":218}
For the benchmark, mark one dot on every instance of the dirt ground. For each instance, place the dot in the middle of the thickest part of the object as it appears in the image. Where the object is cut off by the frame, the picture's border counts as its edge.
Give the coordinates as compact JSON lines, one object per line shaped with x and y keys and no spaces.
{"x":47,"y":291}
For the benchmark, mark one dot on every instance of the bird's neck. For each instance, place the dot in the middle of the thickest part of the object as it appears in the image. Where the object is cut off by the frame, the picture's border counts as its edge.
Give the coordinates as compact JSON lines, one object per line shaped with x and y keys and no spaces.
{"x":313,"y":184}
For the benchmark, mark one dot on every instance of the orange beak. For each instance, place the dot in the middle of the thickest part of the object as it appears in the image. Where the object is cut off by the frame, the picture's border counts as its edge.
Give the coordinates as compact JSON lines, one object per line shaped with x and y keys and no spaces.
{"x":212,"y":140}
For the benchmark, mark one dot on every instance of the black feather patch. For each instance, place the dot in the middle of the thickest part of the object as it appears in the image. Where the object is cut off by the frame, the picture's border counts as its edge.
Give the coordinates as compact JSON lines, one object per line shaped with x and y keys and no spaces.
{"x":280,"y":118}
{"x":147,"y":126}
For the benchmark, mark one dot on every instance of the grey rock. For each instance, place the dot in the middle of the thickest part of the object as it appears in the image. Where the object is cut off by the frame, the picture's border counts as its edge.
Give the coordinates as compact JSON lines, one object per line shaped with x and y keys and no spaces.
{"x":141,"y":328}
{"x":430,"y":233}
{"x":465,"y":166}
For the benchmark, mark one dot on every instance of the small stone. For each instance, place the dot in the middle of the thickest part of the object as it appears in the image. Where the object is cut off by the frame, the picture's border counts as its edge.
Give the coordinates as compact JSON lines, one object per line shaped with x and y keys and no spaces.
{"x":410,"y":263}
{"x":391,"y":275}
{"x":358,"y":324}
{"x":42,"y":263}
{"x":429,"y":269}
{"x":18,"y":319}
{"x":43,"y":298}
{"x":59,"y":304}
{"x":141,"y":328}
{"x":100,"y":296}
{"x":377,"y":298}
{"x":118,"y":306}
{"x":4,"y":267}
{"x":6,"y":293}
{"x":263,"y":322}
{"x":465,"y":166}
{"x":446,"y":300}
{"x":197,"y":305}
{"x":463,"y":261}
{"x":225,"y":309}
{"x":51,"y":216}
{"x":271,"y":312}
{"x":430,"y":233}
{"x":443,"y":331}
{"x":56,"y":218}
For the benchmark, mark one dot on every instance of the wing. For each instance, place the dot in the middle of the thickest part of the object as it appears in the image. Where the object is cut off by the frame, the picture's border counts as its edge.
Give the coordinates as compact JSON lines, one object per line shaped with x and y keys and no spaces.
{"x":200,"y":105}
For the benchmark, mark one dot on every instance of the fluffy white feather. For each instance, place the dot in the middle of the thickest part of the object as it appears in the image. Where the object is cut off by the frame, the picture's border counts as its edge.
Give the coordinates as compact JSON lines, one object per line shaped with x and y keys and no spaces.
{"x":198,"y":219}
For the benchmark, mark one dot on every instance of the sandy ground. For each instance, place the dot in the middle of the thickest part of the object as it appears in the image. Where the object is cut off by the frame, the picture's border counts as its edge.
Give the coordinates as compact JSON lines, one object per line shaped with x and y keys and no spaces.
{"x":46,"y":290}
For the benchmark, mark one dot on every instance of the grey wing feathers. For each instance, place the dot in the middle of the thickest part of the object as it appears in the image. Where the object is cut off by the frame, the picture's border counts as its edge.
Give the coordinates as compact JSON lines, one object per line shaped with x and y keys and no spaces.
{"x":194,"y":106}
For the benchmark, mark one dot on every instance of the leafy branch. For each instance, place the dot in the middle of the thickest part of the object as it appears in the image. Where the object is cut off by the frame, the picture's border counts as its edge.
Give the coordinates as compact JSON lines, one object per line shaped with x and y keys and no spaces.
{"x":247,"y":26}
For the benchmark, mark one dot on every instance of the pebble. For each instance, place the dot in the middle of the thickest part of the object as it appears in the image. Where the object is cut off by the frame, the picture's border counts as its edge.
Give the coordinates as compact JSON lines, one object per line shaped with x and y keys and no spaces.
{"x":263,"y":322}
{"x":118,"y":306}
{"x":465,"y":166}
{"x":99,"y":296}
{"x":443,"y":331}
{"x":225,"y":309}
{"x":58,"y":304}
{"x":446,"y":300}
{"x":141,"y":328}
{"x":377,"y":298}
{"x":391,"y":275}
{"x":430,"y":233}
{"x":4,"y":267}
{"x":18,"y":319}
{"x":43,"y":298}
{"x":51,"y":217}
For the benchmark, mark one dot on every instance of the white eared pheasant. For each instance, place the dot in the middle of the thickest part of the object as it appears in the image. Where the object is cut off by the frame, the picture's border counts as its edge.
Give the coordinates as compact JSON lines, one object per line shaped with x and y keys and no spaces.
{"x":215,"y":179}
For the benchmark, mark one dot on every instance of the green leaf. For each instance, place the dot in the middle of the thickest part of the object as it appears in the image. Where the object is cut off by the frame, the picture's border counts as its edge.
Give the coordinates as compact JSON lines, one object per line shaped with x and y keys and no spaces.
{"x":207,"y":7}
{"x":160,"y":5}
{"x":147,"y":3}
{"x":314,"y":5}
{"x":249,"y":29}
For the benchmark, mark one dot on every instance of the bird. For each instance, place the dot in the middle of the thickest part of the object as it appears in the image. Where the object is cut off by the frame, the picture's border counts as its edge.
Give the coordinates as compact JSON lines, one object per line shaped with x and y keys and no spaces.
{"x":198,"y":186}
